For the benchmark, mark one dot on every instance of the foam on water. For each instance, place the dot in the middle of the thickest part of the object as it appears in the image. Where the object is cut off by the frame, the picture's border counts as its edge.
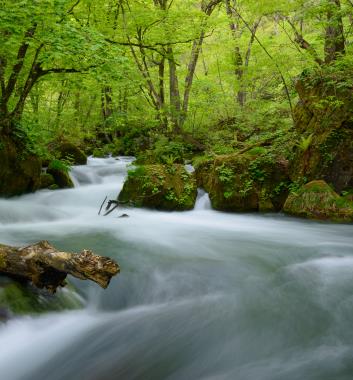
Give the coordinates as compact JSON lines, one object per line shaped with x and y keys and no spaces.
{"x":202,"y":294}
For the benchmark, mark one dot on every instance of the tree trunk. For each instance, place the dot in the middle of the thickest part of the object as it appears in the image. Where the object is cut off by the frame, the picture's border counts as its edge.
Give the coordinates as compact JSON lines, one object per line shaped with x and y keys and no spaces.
{"x":47,"y":267}
{"x":334,"y":38}
{"x":174,"y":94}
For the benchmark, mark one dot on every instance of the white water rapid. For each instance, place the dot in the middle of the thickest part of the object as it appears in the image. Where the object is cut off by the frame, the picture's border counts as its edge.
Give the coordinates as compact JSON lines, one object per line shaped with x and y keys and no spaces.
{"x":202,"y":294}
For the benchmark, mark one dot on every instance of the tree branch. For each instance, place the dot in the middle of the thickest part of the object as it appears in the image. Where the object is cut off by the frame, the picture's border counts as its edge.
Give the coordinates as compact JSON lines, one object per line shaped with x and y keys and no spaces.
{"x":155,"y":46}
{"x":21,"y":54}
{"x":299,"y":39}
{"x":272,"y":59}
{"x":30,"y":81}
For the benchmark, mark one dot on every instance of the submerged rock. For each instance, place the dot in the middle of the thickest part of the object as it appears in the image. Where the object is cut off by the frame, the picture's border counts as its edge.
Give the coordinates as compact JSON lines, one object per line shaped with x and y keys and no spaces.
{"x":244,"y":182}
{"x":162,"y":187}
{"x":317,"y":200}
{"x":18,"y":298}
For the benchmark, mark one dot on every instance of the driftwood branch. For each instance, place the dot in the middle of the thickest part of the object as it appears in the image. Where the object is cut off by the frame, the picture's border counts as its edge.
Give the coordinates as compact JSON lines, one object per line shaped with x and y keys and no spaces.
{"x":108,"y":207}
{"x":47,"y":267}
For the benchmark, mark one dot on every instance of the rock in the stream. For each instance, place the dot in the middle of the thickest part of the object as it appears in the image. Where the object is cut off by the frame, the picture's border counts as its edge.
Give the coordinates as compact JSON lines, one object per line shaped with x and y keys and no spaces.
{"x":161,"y":187}
{"x":46,"y":180}
{"x":317,"y":200}
{"x":244,"y":182}
{"x":61,"y":177}
{"x":63,"y":149}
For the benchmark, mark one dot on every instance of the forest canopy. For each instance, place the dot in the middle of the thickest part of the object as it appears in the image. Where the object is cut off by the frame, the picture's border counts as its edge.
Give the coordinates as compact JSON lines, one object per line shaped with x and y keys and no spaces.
{"x":136,"y":74}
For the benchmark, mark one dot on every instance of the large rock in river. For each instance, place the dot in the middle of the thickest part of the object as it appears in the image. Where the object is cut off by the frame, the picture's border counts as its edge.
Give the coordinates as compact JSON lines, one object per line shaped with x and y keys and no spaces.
{"x":244,"y":182}
{"x":61,"y":177}
{"x":66,"y":150}
{"x":162,"y":187}
{"x":317,"y":200}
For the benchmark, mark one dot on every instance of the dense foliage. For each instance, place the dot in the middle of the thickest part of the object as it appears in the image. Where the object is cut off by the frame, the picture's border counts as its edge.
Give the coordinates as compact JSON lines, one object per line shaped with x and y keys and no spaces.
{"x":165,"y":79}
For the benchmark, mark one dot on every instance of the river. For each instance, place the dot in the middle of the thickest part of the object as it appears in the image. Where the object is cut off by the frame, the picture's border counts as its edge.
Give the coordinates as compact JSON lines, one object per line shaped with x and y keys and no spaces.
{"x":201,"y":294}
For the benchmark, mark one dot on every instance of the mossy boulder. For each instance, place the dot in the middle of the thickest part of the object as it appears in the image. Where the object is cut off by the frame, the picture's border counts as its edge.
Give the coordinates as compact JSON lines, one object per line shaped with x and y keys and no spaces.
{"x":19,"y":168}
{"x":46,"y":180}
{"x":161,"y":187}
{"x":324,"y":124}
{"x":17,"y":298}
{"x":61,"y":178}
{"x":317,"y":200}
{"x":69,"y":150}
{"x":63,"y":149}
{"x":244,"y":182}
{"x":99,"y":153}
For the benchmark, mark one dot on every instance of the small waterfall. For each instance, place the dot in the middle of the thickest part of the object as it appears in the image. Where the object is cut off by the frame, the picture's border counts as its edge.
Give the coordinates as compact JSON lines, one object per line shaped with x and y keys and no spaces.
{"x":202,"y":201}
{"x":189,"y":168}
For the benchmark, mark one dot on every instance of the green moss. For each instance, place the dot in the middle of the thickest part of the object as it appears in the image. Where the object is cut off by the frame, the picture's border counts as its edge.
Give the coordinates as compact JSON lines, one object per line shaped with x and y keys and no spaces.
{"x":24,"y":299}
{"x":99,"y":153}
{"x":69,"y":151}
{"x":61,"y":177}
{"x":163,"y":187}
{"x":46,"y":180}
{"x":244,"y":182}
{"x":324,"y":115}
{"x":317,"y":200}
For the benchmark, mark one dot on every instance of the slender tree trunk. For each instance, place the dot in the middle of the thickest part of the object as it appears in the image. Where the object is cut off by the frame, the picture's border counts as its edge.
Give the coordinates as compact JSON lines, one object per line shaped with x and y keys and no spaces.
{"x":242,"y":93}
{"x":174,"y":94}
{"x":107,"y":109}
{"x":107,"y":102}
{"x":334,"y":38}
{"x":195,"y":53}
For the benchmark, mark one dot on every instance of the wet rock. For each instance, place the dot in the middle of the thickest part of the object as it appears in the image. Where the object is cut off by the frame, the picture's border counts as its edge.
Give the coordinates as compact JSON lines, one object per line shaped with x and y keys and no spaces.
{"x":61,"y":178}
{"x":162,"y":187}
{"x":317,"y":200}
{"x":245,"y":182}
{"x":46,"y":180}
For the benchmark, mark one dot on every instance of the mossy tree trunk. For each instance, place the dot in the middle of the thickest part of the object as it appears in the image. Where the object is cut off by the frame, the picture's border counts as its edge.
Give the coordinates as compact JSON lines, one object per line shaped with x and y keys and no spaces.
{"x":334,"y":36}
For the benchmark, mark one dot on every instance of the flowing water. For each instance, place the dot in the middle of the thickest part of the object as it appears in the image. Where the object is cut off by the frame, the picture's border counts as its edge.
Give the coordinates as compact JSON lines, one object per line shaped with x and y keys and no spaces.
{"x":201,"y":295}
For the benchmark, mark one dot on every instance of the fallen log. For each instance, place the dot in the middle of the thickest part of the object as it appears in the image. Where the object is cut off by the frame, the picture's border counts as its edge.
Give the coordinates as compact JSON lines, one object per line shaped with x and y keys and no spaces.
{"x":47,"y":267}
